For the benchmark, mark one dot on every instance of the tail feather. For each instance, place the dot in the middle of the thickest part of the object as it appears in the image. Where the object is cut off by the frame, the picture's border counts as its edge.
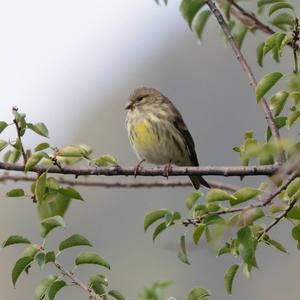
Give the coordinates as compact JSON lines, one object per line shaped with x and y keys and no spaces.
{"x":199,"y":180}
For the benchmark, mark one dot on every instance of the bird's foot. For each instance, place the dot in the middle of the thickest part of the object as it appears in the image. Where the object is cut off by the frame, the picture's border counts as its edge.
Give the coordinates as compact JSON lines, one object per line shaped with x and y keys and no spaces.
{"x":167,"y":169}
{"x":137,"y":167}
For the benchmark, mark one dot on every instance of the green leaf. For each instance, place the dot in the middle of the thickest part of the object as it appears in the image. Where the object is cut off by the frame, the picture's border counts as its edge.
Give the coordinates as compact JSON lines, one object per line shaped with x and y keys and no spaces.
{"x":266,"y":83}
{"x":105,"y":160}
{"x":49,"y":257}
{"x":277,"y":245}
{"x":152,"y":217}
{"x":170,"y":217}
{"x":191,"y":199}
{"x":277,"y":102}
{"x":198,"y":233}
{"x":282,"y":20}
{"x":280,"y":5}
{"x":260,"y":53}
{"x":224,"y":250}
{"x":40,"y":187}
{"x":279,"y":122}
{"x":161,"y":227}
{"x":198,"y":294}
{"x":293,"y":188}
{"x":246,"y":246}
{"x":295,"y":97}
{"x":21,"y":265}
{"x":74,"y":240}
{"x":190,"y":8}
{"x":41,"y":146}
{"x":3,"y":125}
{"x":201,"y":22}
{"x":15,"y":239}
{"x":100,"y":279}
{"x":34,"y":160}
{"x":39,"y":128}
{"x":70,"y":192}
{"x":217,"y":195}
{"x":3,"y":144}
{"x":15,"y":193}
{"x":292,"y":118}
{"x":182,"y":255}
{"x":55,"y":287}
{"x":296,"y":234}
{"x":229,"y":276}
{"x":244,"y":194}
{"x":70,"y":151}
{"x":116,"y":294}
{"x":240,"y":35}
{"x":43,"y":286}
{"x":40,"y":259}
{"x":91,"y":258}
{"x":50,"y":223}
{"x":266,"y":2}
{"x":31,"y":251}
{"x":270,"y":43}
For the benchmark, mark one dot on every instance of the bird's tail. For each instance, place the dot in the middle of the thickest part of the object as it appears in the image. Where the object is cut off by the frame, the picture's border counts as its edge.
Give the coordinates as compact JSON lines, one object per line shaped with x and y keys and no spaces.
{"x":199,"y":180}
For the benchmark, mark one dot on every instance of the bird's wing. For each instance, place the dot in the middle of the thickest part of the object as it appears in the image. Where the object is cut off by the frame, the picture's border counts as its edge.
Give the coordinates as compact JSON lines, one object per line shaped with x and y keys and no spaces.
{"x":181,"y":127}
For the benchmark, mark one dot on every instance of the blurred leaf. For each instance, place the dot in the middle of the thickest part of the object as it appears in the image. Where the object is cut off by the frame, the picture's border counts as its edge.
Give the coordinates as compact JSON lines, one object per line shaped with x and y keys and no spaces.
{"x":43,"y":286}
{"x":293,"y":188}
{"x":279,"y":122}
{"x":246,"y":246}
{"x":105,"y":160}
{"x":213,"y":219}
{"x":41,"y":146}
{"x":34,"y":160}
{"x":182,"y":255}
{"x":198,"y":232}
{"x":49,"y":224}
{"x":15,"y":193}
{"x":3,"y":125}
{"x":191,"y":199}
{"x":70,"y":151}
{"x":224,"y":250}
{"x":40,"y":187}
{"x":277,"y":102}
{"x":282,"y":20}
{"x":100,"y":279}
{"x":72,"y":241}
{"x":31,"y":251}
{"x":240,"y":35}
{"x":229,"y":276}
{"x":279,"y":5}
{"x":198,"y":294}
{"x":70,"y":192}
{"x":266,"y":2}
{"x":3,"y":144}
{"x":55,"y":287}
{"x":266,"y":83}
{"x":244,"y":194}
{"x":91,"y":258}
{"x":295,"y":96}
{"x":20,"y":266}
{"x":292,"y":118}
{"x":217,"y":195}
{"x":40,"y":259}
{"x":116,"y":294}
{"x":153,"y":216}
{"x":201,"y":22}
{"x":190,"y":8}
{"x":277,"y":245}
{"x":15,"y":239}
{"x":49,"y":257}
{"x":39,"y":128}
{"x":260,"y":53}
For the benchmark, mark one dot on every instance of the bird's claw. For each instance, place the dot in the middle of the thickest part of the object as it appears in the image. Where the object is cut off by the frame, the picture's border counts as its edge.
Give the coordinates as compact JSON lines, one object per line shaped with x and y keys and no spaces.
{"x":167,"y":170}
{"x":137,"y":167}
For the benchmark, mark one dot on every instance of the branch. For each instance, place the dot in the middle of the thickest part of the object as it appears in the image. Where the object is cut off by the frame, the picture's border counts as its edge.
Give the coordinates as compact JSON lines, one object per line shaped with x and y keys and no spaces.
{"x":246,"y":68}
{"x":295,"y":41}
{"x":226,"y":171}
{"x":124,"y":184}
{"x":79,"y":283}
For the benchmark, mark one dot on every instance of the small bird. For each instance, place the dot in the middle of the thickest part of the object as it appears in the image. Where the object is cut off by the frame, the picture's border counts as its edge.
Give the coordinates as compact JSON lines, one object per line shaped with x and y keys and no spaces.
{"x":158,"y":133}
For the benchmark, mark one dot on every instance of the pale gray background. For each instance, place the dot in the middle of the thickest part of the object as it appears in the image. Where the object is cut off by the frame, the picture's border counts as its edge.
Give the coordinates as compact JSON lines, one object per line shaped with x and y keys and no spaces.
{"x":72,"y":64}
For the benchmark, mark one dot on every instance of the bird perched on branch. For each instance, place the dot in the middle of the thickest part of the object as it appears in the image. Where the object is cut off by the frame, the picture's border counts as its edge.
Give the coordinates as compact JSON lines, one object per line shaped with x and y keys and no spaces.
{"x":158,"y":133}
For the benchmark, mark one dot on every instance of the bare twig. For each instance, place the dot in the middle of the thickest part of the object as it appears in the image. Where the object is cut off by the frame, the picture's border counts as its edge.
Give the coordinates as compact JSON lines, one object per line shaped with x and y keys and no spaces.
{"x":19,"y":137}
{"x":226,"y":171}
{"x":295,"y":41}
{"x":246,"y":68}
{"x":278,"y":218}
{"x":124,"y":184}
{"x":79,"y":283}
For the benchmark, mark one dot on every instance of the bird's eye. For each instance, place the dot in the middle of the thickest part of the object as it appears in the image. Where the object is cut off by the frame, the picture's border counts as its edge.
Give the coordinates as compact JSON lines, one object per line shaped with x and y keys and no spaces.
{"x":140,"y":98}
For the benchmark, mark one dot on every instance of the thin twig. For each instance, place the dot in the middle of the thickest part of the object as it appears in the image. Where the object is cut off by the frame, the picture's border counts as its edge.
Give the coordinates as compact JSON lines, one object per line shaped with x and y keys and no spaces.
{"x":19,"y":137}
{"x":125,"y":184}
{"x":226,"y":171}
{"x":278,"y":218}
{"x":295,"y":45}
{"x":246,"y":68}
{"x":78,"y":282}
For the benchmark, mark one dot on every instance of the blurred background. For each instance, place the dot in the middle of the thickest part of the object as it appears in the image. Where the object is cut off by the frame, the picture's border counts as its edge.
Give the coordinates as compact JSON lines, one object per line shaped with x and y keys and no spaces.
{"x":72,"y":65}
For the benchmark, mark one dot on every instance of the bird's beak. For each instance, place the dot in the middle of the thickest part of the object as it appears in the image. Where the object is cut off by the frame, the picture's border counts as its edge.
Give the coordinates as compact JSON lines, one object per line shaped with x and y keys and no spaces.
{"x":128,"y":105}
